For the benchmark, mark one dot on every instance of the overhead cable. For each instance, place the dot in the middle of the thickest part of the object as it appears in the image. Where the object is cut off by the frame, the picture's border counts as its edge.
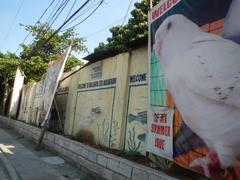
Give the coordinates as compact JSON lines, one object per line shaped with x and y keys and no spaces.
{"x":85,"y":17}
{"x":12,"y":24}
{"x":74,"y":14}
{"x":36,"y":24}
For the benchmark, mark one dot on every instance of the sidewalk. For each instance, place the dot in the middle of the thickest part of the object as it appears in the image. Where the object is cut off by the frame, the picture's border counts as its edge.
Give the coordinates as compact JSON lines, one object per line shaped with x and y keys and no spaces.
{"x":30,"y":165}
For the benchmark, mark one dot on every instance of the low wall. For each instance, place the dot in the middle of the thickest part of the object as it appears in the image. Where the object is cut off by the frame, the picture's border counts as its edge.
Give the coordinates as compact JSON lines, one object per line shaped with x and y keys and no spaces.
{"x":100,"y":163}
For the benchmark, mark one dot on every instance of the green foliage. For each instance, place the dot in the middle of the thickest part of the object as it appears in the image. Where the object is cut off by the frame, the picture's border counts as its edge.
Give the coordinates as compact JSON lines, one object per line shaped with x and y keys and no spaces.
{"x":72,"y":62}
{"x":103,"y":134}
{"x":8,"y":55}
{"x":133,"y":146}
{"x":35,"y":57}
{"x":162,"y":163}
{"x":34,"y":68}
{"x":54,"y":47}
{"x":136,"y":28}
{"x":8,"y":69}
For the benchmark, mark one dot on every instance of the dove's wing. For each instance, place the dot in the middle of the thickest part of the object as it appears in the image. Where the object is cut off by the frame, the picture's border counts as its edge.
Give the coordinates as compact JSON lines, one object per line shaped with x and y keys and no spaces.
{"x":211,"y":68}
{"x":231,"y":29}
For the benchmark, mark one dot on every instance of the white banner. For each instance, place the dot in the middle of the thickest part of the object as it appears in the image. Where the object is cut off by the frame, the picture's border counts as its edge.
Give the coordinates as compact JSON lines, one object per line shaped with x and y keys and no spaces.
{"x":18,"y":84}
{"x":54,"y":73}
{"x":160,"y":132}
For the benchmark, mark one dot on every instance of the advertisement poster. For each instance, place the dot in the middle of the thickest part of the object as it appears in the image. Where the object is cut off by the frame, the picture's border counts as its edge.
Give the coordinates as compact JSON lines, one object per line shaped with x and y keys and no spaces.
{"x":191,"y":148}
{"x":160,"y":131}
{"x":54,"y":72}
{"x":15,"y":99}
{"x":28,"y":92}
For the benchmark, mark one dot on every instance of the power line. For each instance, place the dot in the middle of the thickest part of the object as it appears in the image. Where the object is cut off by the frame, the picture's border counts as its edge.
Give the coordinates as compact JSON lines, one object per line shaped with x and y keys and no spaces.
{"x":60,"y":11}
{"x":86,"y":17}
{"x":53,"y":14}
{"x":36,"y":24}
{"x":45,"y":11}
{"x":106,"y":27}
{"x":74,"y":14}
{"x":53,"y":11}
{"x":13,"y":22}
{"x":67,"y":21}
{"x":127,"y":12}
{"x":71,"y":9}
{"x":50,"y":18}
{"x":88,"y":8}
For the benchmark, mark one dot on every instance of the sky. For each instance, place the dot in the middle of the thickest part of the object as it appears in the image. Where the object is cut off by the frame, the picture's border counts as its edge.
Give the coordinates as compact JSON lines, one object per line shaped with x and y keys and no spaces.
{"x":95,"y":29}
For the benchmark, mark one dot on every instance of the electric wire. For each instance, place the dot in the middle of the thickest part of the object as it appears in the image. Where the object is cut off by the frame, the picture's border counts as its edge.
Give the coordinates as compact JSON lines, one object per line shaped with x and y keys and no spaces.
{"x":68,"y":19}
{"x":61,"y":10}
{"x":71,"y":9}
{"x":127,"y":12}
{"x":56,"y":31}
{"x":104,"y":28}
{"x":85,"y":17}
{"x":36,"y":24}
{"x":87,"y":9}
{"x":50,"y":19}
{"x":53,"y":10}
{"x":12,"y":24}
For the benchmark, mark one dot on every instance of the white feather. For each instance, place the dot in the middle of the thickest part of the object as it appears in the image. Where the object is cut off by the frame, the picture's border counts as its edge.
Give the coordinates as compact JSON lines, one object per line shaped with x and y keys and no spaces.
{"x":202,"y":72}
{"x":231,"y":29}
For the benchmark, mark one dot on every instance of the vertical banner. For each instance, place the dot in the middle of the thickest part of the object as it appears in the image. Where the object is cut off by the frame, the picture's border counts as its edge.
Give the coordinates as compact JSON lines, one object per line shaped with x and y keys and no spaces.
{"x":27,"y":98}
{"x":188,"y":149}
{"x":18,"y":84}
{"x":160,"y":131}
{"x":54,"y":72}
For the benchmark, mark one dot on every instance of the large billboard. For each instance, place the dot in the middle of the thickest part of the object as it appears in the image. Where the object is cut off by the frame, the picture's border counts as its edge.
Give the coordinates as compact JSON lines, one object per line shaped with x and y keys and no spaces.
{"x":195,"y":145}
{"x":50,"y":84}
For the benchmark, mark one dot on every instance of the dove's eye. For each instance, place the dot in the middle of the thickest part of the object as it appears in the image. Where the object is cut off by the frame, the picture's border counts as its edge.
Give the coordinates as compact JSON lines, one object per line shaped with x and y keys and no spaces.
{"x":169,"y":25}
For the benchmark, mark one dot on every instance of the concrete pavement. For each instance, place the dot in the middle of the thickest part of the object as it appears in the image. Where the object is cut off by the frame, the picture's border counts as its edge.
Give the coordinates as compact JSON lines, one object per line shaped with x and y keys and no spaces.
{"x":28,"y":164}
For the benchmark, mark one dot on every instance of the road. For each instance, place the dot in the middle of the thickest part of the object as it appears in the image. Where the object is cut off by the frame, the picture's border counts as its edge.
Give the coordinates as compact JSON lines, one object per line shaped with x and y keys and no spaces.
{"x":3,"y":172}
{"x":19,"y":158}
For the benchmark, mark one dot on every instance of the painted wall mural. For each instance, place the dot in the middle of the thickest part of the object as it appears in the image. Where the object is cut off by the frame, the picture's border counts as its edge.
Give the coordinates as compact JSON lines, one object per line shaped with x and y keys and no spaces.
{"x":94,"y":113}
{"x":136,"y":120}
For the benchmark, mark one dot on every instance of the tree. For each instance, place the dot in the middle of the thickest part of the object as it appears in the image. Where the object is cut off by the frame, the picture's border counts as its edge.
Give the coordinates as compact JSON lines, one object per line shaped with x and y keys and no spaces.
{"x":34,"y":68}
{"x":8,"y":69}
{"x":136,"y":28}
{"x":8,"y":55}
{"x":48,"y":50}
{"x":72,"y":62}
{"x":42,"y":51}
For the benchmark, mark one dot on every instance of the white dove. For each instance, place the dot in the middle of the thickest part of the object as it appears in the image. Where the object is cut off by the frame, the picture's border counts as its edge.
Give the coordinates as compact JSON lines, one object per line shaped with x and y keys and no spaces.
{"x":202,"y":72}
{"x":231,"y":28}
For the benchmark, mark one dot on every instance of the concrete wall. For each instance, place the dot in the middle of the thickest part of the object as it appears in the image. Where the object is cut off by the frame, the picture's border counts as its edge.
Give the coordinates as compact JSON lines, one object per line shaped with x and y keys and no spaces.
{"x":100,"y":163}
{"x":109,"y":99}
{"x":137,"y":100}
